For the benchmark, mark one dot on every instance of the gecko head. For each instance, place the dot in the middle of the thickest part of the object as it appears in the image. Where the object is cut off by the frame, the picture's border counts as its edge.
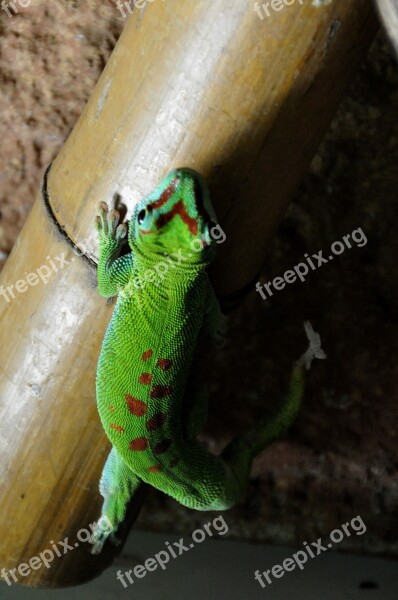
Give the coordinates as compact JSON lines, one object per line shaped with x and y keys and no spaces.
{"x":176,"y":216}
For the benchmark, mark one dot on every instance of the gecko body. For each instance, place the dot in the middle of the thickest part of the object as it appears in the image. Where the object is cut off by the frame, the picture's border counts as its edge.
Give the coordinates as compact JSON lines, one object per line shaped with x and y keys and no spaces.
{"x":150,"y":408}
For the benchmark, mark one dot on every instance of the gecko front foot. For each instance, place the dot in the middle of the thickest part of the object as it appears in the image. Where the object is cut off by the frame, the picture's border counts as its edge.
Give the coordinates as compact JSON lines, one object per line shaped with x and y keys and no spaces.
{"x":107,"y":223}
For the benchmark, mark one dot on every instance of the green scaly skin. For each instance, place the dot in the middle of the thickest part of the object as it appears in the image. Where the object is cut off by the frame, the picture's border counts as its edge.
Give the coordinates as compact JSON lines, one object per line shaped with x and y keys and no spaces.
{"x":148,"y":405}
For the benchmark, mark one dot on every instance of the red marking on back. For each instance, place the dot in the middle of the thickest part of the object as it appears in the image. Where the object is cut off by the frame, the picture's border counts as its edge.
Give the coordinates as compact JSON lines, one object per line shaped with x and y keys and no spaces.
{"x":147,"y":354}
{"x":178,"y":209}
{"x":145,"y":378}
{"x":111,"y":408}
{"x":135,"y":406}
{"x":154,"y":469}
{"x":174,"y":462}
{"x":162,"y":446}
{"x":156,"y":421}
{"x":117,"y":427}
{"x":164,"y":363}
{"x":139,"y":444}
{"x":161,"y":391}
{"x":166,"y":195}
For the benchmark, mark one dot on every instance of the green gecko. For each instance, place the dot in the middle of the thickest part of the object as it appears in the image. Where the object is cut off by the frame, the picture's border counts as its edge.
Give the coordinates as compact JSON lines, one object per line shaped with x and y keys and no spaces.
{"x":149,"y":406}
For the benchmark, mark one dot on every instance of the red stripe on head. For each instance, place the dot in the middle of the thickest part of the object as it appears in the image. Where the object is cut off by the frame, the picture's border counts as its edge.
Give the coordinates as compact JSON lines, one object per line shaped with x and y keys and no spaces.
{"x":178,"y":209}
{"x":166,"y":195}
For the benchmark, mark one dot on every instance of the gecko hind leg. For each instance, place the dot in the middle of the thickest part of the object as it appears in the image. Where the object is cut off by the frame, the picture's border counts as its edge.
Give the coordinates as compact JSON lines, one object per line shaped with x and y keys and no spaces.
{"x":117,"y":485}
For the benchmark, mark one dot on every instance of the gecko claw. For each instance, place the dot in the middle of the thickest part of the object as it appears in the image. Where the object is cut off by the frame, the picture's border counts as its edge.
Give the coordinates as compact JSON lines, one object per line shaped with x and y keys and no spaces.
{"x":102,"y":207}
{"x":113,"y":220}
{"x":121,"y":231}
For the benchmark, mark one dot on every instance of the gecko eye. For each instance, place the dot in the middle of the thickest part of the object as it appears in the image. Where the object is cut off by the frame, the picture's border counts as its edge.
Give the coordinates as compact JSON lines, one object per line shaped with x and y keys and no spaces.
{"x":141,"y":216}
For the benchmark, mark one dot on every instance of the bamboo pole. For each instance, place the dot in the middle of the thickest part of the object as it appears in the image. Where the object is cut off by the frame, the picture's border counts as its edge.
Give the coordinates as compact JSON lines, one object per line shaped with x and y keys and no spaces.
{"x":202,"y":83}
{"x":388,"y":10}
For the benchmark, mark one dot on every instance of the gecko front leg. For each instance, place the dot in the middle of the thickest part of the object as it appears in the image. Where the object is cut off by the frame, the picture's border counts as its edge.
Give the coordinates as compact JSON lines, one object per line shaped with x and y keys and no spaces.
{"x":113,"y":272}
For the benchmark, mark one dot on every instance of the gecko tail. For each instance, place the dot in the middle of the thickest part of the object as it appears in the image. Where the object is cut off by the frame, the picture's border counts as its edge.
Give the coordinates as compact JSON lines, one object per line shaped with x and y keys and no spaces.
{"x":240,"y":453}
{"x":314,"y":349}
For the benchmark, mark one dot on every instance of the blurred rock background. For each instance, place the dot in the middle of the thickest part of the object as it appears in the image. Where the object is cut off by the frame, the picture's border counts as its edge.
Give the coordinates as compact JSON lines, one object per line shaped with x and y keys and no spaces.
{"x":341,"y":458}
